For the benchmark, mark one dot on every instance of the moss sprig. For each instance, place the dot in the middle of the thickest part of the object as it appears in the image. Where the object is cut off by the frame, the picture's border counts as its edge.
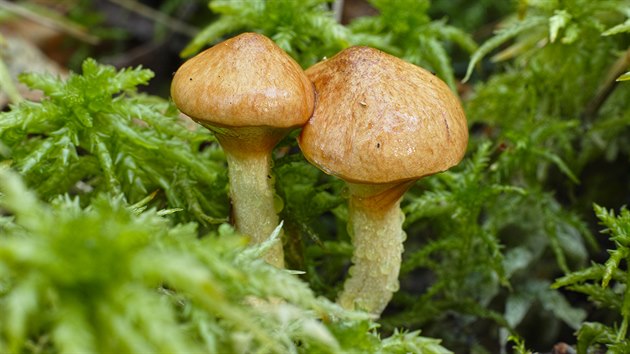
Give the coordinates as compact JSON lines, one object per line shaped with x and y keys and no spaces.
{"x":114,"y":277}
{"x":605,"y":284}
{"x":94,"y":133}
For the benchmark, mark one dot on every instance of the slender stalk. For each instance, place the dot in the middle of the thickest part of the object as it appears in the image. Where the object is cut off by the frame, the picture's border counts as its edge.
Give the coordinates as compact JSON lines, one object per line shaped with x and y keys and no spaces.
{"x":6,"y":82}
{"x":338,"y":10}
{"x":50,"y":19}
{"x":375,"y":225}
{"x":607,"y":87}
{"x":252,"y":194}
{"x":248,"y":153}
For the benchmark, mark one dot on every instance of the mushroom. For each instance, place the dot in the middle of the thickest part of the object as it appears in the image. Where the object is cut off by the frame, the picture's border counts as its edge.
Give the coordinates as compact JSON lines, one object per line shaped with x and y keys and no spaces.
{"x":250,"y":93}
{"x":379,"y":124}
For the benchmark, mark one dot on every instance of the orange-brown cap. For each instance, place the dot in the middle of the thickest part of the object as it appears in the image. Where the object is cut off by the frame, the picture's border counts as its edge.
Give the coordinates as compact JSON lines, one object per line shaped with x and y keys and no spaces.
{"x":379,"y":119}
{"x":242,"y":82}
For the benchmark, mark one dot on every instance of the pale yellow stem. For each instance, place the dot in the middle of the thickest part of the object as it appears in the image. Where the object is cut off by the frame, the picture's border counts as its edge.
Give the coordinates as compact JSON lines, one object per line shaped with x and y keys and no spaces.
{"x":252,"y":195}
{"x":375,"y":225}
{"x":248,"y":152}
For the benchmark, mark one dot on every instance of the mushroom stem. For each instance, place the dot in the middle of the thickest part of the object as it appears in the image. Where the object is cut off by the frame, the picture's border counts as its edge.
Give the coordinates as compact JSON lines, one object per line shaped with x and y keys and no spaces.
{"x":252,"y":195}
{"x":375,"y":226}
{"x":248,"y":153}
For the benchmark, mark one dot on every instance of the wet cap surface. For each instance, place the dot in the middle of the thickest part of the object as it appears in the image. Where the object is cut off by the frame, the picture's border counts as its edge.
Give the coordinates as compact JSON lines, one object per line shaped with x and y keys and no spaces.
{"x":379,"y":119}
{"x":244,"y":81}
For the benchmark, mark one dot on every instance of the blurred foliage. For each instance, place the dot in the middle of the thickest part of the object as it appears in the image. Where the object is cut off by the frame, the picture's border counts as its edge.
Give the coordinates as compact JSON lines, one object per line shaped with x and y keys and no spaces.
{"x":307,"y":31}
{"x":6,"y":81}
{"x":549,"y":137}
{"x":304,"y":29}
{"x":412,"y":35}
{"x":471,"y":15}
{"x":546,"y":109}
{"x":113,"y":277}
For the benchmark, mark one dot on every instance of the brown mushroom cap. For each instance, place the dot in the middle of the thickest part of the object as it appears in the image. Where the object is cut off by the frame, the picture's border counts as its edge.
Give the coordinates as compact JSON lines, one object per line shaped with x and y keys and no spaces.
{"x":244,"y":81}
{"x":379,"y":119}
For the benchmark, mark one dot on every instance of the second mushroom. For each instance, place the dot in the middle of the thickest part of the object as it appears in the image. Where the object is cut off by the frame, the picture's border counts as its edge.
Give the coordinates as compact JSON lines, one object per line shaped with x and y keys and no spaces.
{"x":380,"y":124}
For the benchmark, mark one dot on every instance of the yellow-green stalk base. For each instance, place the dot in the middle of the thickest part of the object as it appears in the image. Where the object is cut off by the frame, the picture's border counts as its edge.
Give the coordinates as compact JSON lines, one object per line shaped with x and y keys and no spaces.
{"x":252,"y":195}
{"x":375,"y":226}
